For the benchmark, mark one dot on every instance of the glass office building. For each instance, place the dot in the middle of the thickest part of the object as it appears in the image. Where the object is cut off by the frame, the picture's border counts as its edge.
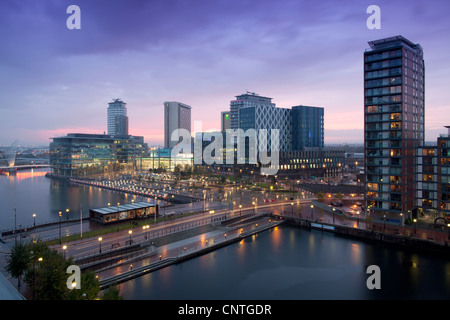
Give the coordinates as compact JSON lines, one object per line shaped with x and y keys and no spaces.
{"x":78,"y":154}
{"x":307,"y":127}
{"x":117,"y":116}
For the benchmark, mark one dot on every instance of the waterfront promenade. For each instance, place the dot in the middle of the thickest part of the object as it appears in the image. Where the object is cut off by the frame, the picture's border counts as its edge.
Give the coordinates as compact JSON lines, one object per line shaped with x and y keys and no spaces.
{"x":172,"y":241}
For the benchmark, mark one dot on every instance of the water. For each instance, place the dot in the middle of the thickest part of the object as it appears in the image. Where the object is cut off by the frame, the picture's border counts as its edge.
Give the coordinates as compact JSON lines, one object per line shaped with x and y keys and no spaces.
{"x":286,"y":263}
{"x":29,"y":191}
{"x":295,"y":264}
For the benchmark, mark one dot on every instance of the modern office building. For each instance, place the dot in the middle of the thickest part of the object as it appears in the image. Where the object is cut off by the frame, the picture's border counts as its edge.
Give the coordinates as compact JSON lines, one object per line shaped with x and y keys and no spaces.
{"x":225,"y":120}
{"x":117,"y":125}
{"x":121,"y":126}
{"x":176,"y":116}
{"x":269,"y":118}
{"x":307,"y":127}
{"x":249,"y":99}
{"x":312,"y":163}
{"x":78,"y":154}
{"x":394,"y":76}
{"x":433,"y":179}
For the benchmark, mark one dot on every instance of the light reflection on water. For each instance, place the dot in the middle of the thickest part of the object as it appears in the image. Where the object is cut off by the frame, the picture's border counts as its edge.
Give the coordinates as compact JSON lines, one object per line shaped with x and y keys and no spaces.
{"x":29,"y":191}
{"x":295,"y":264}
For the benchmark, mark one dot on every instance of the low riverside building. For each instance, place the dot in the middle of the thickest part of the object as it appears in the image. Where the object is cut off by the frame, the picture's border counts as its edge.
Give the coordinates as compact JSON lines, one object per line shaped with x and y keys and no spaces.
{"x":79,"y":154}
{"x":123,"y":212}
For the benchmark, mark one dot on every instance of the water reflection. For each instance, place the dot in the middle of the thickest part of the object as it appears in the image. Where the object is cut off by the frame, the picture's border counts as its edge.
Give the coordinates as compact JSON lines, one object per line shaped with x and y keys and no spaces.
{"x":315,"y":266}
{"x":29,"y":191}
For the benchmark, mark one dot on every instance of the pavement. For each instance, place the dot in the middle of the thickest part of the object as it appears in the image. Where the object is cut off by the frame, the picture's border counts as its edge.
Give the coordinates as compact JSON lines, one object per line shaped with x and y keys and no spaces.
{"x":177,"y":243}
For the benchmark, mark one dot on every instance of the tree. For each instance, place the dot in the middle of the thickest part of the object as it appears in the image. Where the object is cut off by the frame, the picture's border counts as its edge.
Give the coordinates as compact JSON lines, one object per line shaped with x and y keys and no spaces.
{"x":17,"y":263}
{"x":46,"y":273}
{"x":90,"y":287}
{"x":320,"y":196}
{"x":113,"y":293}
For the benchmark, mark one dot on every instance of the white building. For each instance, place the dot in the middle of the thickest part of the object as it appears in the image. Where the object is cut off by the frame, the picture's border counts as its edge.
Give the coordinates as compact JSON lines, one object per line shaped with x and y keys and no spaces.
{"x":115,"y":108}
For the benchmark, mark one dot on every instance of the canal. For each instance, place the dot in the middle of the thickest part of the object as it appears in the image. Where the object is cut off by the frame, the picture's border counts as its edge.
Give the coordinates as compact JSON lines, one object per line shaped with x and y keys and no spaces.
{"x":284,"y":263}
{"x":29,"y":191}
{"x":289,"y":263}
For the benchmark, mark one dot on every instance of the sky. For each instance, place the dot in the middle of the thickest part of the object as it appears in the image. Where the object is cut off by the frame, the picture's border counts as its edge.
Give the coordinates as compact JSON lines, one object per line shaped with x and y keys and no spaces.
{"x":55,"y":80}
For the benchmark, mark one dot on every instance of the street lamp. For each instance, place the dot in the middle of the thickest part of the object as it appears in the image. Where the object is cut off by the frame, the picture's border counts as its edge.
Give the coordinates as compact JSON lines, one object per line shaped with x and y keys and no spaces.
{"x":146,"y":227}
{"x":240,"y":209}
{"x":415,"y":220}
{"x":64,"y":250}
{"x":15,"y":225}
{"x":34,"y":219}
{"x":60,"y":215}
{"x":448,"y":226}
{"x":211,"y":212}
{"x":67,"y":212}
{"x":312,"y":207}
{"x":100,"y":244}
{"x":253,"y":203}
{"x":292,"y":208}
{"x":130,"y":232}
{"x":384,"y":224}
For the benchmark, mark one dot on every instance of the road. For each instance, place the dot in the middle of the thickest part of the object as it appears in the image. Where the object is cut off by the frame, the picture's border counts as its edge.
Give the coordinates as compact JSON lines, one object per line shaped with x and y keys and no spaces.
{"x":89,"y":246}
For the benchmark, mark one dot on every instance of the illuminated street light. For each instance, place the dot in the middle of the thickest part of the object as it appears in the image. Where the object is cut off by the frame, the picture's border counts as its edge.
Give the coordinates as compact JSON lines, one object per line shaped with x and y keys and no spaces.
{"x":34,"y":219}
{"x":60,"y":215}
{"x":146,"y":227}
{"x":100,"y":244}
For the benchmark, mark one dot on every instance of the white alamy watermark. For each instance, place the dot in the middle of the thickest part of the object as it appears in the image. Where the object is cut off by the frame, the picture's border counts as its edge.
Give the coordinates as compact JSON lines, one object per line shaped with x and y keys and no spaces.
{"x":74,"y":280}
{"x":374,"y":20}
{"x":374,"y":280}
{"x":74,"y":20}
{"x":240,"y":147}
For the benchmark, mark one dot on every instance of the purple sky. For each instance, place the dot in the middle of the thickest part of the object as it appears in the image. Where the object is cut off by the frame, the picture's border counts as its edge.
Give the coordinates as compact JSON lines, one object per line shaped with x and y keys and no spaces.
{"x":54,"y":81}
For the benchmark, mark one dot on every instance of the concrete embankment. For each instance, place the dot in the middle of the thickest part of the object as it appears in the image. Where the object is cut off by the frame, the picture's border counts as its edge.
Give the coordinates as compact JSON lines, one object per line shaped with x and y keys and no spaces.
{"x":371,"y":235}
{"x":105,"y":283}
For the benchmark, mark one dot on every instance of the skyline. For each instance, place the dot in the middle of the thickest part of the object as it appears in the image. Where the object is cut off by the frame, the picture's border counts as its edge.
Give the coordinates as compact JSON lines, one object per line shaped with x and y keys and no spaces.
{"x":56,"y":81}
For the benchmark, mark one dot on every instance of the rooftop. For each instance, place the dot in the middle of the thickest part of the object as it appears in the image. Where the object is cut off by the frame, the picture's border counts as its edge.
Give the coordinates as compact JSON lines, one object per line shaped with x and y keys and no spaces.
{"x":124,"y":207}
{"x":7,"y":291}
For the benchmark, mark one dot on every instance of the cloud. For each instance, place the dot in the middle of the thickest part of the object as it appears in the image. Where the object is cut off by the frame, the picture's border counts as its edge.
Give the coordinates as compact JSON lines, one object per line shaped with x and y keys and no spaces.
{"x":200,"y":52}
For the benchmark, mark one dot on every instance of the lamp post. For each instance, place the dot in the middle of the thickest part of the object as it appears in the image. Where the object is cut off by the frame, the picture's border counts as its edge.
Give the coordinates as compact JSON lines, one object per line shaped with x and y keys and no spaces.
{"x":100,"y":244}
{"x":211,"y":212}
{"x":34,"y":219}
{"x":415,"y":221}
{"x":253,"y":203}
{"x":60,"y":215}
{"x":146,"y":227}
{"x":292,"y":208}
{"x":333,"y":214}
{"x":67,"y":212}
{"x":130,"y":233}
{"x":384,"y":223}
{"x":15,"y":225}
{"x":312,"y":207}
{"x":64,"y":250}
{"x":357,"y":217}
{"x":448,"y":226}
{"x":240,"y":209}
